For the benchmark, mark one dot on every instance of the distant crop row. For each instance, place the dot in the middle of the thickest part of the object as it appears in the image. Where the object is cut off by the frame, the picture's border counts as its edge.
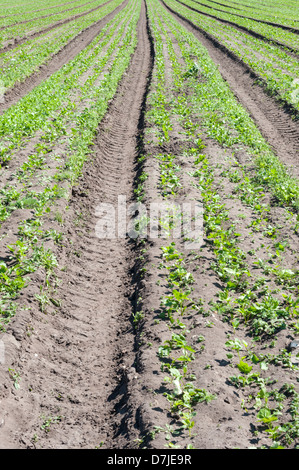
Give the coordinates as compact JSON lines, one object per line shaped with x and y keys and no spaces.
{"x":281,"y":16}
{"x":15,"y":32}
{"x":16,"y":8}
{"x":269,"y":32}
{"x":33,"y":15}
{"x":271,"y":63}
{"x":24,"y":60}
{"x":276,"y":10}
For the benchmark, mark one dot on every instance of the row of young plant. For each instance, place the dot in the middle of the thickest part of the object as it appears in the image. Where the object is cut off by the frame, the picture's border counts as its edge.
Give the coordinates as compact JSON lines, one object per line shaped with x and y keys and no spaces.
{"x":60,"y":126}
{"x":176,"y":354}
{"x":277,"y":9}
{"x":287,"y":40}
{"x":248,"y":301}
{"x":85,"y":68}
{"x":286,"y":8}
{"x":247,"y":189}
{"x":262,"y":319}
{"x":276,"y":69}
{"x":15,"y":8}
{"x":21,"y":62}
{"x":272,"y":12}
{"x":39,"y":110}
{"x":239,"y":131}
{"x":15,"y":32}
{"x":29,"y":252}
{"x":17,"y":17}
{"x":45,"y":164}
{"x":226,"y":121}
{"x":251,"y":17}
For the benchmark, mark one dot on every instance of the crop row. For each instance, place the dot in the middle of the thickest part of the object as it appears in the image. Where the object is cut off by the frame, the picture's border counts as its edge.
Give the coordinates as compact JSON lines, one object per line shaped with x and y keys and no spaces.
{"x":176,"y":354}
{"x":269,"y":32}
{"x":181,"y":102}
{"x":285,"y":39}
{"x":230,"y":120}
{"x":24,"y":16}
{"x":275,"y":6}
{"x":15,"y":127}
{"x":239,"y":130}
{"x":252,"y":13}
{"x":16,"y":32}
{"x":17,"y":8}
{"x":233,"y":267}
{"x":72,"y":126}
{"x":275,"y":68}
{"x":24,"y":60}
{"x":273,"y":9}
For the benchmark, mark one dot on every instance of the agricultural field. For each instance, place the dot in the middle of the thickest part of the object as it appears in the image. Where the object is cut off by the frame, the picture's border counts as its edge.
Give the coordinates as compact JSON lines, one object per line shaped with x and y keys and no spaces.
{"x":149,"y":222}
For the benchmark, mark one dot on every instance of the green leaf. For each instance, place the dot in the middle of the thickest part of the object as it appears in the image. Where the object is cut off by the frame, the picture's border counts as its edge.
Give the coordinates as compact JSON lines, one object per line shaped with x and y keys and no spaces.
{"x":244,"y":367}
